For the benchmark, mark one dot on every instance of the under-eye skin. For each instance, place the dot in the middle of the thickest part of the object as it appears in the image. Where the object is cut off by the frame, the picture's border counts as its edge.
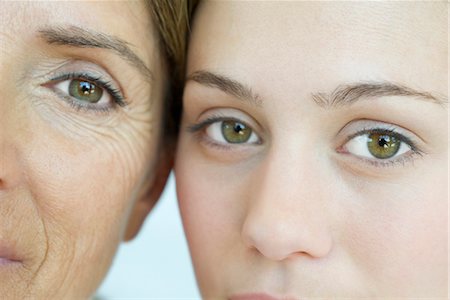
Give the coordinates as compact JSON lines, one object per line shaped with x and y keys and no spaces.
{"x":225,"y":131}
{"x":381,"y":147}
{"x":87,"y":92}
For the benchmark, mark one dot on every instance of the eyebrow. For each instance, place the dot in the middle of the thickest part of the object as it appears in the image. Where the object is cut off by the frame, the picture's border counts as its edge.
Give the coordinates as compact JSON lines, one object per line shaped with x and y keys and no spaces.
{"x":343,"y":95}
{"x":79,"y":37}
{"x":348,"y":94}
{"x":227,"y":85}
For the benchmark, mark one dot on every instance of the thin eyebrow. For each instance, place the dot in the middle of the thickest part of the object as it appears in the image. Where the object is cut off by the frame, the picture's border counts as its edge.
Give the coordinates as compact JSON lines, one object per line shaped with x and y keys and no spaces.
{"x":227,"y":85}
{"x":348,"y":94}
{"x":79,"y":37}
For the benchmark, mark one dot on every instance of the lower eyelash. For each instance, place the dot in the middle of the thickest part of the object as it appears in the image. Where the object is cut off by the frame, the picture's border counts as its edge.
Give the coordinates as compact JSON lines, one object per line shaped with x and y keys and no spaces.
{"x":210,"y":143}
{"x":403,"y":160}
{"x":79,"y":106}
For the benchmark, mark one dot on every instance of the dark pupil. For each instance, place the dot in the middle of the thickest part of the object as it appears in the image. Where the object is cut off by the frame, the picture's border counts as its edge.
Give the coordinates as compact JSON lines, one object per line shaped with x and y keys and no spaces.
{"x":384,"y":141}
{"x":239,"y":128}
{"x":86,"y":88}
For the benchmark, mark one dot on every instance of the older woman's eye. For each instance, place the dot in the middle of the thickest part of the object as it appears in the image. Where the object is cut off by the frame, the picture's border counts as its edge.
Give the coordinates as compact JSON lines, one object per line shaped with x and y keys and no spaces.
{"x":231,"y":132}
{"x":88,"y":92}
{"x":378,"y":145}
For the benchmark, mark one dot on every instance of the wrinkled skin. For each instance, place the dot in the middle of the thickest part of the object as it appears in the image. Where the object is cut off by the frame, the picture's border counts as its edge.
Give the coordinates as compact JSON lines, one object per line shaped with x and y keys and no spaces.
{"x":74,"y":182}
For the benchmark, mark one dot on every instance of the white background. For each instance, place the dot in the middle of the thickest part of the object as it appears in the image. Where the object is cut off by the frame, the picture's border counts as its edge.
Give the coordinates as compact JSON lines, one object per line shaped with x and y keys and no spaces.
{"x":156,"y":264}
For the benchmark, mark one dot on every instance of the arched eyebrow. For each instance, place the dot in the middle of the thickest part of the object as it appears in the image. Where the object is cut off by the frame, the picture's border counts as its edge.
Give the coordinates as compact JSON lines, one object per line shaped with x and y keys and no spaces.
{"x":227,"y":85}
{"x":348,"y":94}
{"x":75,"y":36}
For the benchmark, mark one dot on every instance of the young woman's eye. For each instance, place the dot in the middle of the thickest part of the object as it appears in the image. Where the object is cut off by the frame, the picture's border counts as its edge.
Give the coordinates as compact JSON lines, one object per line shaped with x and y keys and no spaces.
{"x":378,"y":145}
{"x":231,"y":132}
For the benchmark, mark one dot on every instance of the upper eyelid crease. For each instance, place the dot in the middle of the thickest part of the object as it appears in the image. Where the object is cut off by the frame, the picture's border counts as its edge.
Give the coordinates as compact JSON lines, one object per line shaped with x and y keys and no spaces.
{"x":79,"y":37}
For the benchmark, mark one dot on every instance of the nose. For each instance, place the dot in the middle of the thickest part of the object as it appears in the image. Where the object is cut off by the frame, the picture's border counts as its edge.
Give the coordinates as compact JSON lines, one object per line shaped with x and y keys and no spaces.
{"x":287,"y":213}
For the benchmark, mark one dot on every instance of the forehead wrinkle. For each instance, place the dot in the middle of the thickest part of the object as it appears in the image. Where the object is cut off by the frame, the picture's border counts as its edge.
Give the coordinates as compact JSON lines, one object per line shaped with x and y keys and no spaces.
{"x":348,"y":94}
{"x":80,"y":37}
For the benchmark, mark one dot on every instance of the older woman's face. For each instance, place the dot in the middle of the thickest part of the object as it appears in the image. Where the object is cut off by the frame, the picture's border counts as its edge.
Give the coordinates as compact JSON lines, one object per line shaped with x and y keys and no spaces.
{"x":79,"y":135}
{"x":313,"y":152}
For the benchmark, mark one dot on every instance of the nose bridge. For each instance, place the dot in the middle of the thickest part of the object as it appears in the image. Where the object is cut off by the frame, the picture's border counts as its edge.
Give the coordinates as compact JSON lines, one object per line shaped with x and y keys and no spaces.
{"x":286,"y":214}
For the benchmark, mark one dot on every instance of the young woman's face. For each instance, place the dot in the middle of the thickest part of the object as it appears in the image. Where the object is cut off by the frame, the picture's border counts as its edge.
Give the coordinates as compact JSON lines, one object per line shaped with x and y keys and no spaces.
{"x":312,"y":160}
{"x":80,"y":108}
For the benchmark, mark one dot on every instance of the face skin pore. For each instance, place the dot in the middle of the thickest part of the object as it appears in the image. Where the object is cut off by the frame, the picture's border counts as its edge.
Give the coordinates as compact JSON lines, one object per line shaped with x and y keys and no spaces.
{"x":313,"y":160}
{"x":78,"y":174}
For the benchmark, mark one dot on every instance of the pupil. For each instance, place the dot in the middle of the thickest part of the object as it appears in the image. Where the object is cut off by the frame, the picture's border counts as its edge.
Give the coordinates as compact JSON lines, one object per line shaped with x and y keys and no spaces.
{"x":86,"y":87}
{"x":384,"y":141}
{"x":239,"y":128}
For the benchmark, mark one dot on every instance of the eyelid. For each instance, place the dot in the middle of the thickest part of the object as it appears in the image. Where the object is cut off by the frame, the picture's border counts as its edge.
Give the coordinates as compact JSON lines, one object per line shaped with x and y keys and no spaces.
{"x":225,"y":113}
{"x":211,"y":120}
{"x":359,"y":125}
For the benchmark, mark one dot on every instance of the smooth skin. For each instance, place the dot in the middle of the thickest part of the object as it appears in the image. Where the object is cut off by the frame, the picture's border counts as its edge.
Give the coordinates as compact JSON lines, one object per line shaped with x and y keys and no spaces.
{"x":75,"y":180}
{"x":302,"y":209}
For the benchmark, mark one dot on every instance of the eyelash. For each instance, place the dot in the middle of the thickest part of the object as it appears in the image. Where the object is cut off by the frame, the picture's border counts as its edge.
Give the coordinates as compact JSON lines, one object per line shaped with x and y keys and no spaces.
{"x":195,"y":128}
{"x":108,"y":86}
{"x":402,"y":159}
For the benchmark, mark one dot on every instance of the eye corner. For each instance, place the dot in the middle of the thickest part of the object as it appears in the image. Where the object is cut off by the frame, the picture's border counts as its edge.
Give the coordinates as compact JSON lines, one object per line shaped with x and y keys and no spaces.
{"x":341,"y":149}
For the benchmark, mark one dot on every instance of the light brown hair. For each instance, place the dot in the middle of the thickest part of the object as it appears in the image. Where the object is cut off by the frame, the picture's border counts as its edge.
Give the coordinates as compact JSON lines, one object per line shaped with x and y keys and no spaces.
{"x":171,"y":19}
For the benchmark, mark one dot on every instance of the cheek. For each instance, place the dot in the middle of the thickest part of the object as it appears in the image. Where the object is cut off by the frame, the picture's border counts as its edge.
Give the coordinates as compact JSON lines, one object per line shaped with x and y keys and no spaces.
{"x":398,"y":236}
{"x":212,"y":215}
{"x":83,"y":193}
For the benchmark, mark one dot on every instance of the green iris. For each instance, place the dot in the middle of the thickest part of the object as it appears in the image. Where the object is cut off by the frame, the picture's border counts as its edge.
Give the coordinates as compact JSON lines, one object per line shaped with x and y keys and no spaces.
{"x":383,"y":146}
{"x":236,"y":132}
{"x":85,"y":91}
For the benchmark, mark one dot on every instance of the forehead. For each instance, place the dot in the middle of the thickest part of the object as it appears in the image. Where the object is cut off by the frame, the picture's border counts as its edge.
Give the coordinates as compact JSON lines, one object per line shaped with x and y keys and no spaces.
{"x":127,"y":20}
{"x":341,"y":41}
